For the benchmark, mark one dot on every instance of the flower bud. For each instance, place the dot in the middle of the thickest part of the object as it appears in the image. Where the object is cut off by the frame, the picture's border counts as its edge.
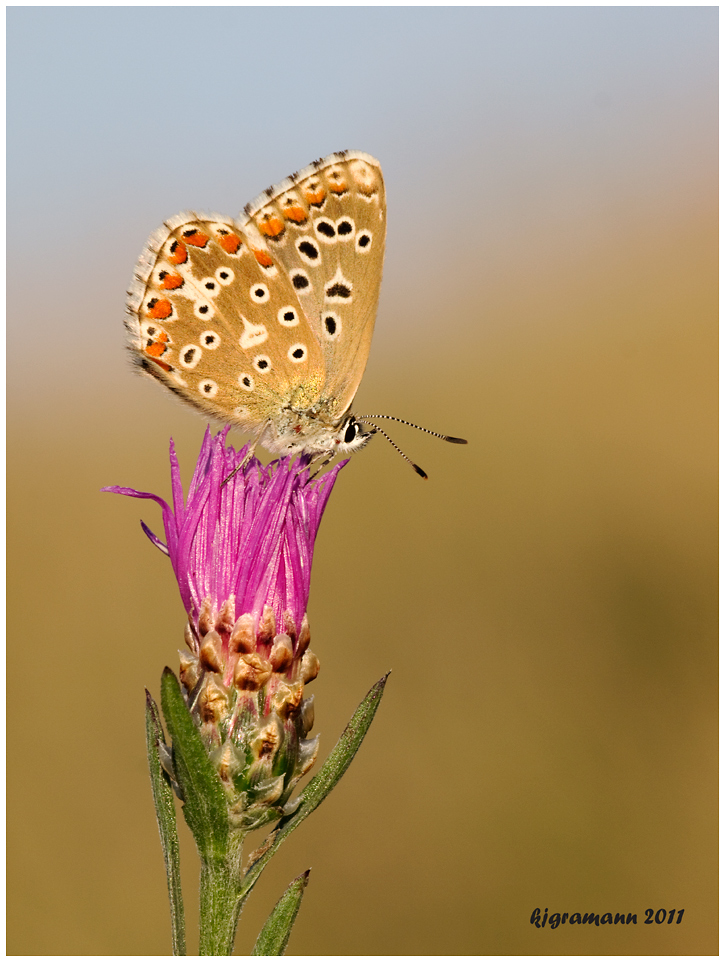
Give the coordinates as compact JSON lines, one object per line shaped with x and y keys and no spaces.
{"x":267,"y":626}
{"x":307,"y":715}
{"x":242,"y":638}
{"x":282,"y":653}
{"x":206,"y":617}
{"x":287,"y":699}
{"x":188,"y":670}
{"x":267,"y":740}
{"x":310,"y":666}
{"x":303,"y":638}
{"x":213,"y":701}
{"x":251,"y":672}
{"x":190,"y":638}
{"x":210,"y":653}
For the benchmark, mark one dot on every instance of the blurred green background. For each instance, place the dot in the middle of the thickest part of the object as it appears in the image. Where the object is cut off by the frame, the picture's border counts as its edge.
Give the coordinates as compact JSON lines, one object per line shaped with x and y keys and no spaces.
{"x":546,"y":601}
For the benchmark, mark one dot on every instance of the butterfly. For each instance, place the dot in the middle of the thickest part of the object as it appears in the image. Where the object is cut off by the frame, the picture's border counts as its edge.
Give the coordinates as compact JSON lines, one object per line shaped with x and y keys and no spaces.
{"x":265,"y":322}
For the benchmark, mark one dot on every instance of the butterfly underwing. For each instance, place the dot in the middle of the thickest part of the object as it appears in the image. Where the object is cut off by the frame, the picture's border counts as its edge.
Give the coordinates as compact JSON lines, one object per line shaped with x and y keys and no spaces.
{"x":265,"y":322}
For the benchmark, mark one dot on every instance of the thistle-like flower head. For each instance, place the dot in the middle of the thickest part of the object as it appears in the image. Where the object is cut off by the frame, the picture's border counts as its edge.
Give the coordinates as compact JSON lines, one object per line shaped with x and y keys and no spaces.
{"x":241,"y":548}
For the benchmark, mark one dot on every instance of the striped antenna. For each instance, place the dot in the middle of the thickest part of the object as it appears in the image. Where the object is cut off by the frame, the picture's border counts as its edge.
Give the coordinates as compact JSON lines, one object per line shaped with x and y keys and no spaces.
{"x":389,"y":417}
{"x":379,"y":430}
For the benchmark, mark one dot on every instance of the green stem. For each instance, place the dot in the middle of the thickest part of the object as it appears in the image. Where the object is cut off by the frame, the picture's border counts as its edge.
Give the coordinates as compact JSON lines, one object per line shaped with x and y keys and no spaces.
{"x":219,"y":900}
{"x":166,"y":819}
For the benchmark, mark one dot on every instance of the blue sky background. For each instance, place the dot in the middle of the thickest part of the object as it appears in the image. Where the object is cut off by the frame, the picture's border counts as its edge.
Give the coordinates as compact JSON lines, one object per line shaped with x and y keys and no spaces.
{"x":508,"y":136}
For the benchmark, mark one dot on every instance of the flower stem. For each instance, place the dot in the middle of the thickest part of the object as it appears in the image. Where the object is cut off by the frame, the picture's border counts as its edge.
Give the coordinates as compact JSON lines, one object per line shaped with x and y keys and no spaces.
{"x":166,"y":819}
{"x":219,"y":900}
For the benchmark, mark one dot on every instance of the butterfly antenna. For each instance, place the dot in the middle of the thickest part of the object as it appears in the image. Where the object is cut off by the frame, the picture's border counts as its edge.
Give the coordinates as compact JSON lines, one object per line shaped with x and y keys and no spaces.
{"x":443,"y":437}
{"x":379,"y":430}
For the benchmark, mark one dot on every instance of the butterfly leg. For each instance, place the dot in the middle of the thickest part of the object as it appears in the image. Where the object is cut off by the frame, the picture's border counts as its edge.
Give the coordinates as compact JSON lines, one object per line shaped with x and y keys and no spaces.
{"x":323,"y":464}
{"x":247,"y":457}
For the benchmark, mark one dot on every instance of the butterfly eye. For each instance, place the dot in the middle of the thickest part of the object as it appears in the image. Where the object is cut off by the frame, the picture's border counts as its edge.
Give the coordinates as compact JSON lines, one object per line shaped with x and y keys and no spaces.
{"x":363,"y":241}
{"x":287,"y":317}
{"x":225,"y":276}
{"x":351,"y":431}
{"x":259,"y":293}
{"x":210,"y":340}
{"x":297,"y":353}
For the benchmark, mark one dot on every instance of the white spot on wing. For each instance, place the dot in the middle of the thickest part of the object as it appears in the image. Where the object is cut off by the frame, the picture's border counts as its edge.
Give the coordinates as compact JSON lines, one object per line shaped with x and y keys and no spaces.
{"x":259,"y":293}
{"x":253,"y":335}
{"x":210,"y":340}
{"x":287,"y":316}
{"x":189,"y":356}
{"x":338,"y":289}
{"x":225,"y":276}
{"x":208,"y":388}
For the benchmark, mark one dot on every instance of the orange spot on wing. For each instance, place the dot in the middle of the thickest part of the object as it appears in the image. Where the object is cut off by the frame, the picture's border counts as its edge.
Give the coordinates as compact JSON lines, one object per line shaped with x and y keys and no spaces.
{"x":178,"y":252}
{"x":263,"y":258}
{"x":160,"y":309}
{"x":270,"y":225}
{"x":295,"y":213}
{"x":162,"y":364}
{"x":169,"y":282}
{"x":155,"y":349}
{"x":338,"y":186}
{"x":230,"y":243}
{"x":196,"y":238}
{"x":315,"y":196}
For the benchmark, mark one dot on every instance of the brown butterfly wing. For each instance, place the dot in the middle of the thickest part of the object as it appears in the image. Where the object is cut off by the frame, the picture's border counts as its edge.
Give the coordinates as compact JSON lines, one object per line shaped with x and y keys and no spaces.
{"x":325,"y":226}
{"x":214,"y":315}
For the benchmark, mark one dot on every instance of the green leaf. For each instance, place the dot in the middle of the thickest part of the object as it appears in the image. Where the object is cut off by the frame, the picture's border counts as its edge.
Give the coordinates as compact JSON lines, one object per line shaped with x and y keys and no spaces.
{"x":322,"y":784}
{"x":276,"y":930}
{"x":166,"y":818}
{"x":205,"y":807}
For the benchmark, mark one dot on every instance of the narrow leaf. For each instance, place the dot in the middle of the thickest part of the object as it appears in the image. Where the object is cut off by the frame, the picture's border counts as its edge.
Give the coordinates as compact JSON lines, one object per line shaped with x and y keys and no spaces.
{"x":166,"y":819}
{"x":205,"y":808}
{"x":322,"y":784}
{"x":276,"y":930}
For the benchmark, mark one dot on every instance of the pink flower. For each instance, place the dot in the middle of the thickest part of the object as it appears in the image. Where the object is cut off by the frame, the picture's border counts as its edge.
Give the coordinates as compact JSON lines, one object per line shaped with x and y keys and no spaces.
{"x":241,"y":549}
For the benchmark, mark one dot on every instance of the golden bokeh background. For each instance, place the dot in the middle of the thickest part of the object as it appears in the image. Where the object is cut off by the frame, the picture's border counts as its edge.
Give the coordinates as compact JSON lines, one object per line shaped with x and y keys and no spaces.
{"x":547,"y":601}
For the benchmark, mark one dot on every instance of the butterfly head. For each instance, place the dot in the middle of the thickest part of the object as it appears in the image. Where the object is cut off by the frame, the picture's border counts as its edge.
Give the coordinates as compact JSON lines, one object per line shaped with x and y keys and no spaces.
{"x":352,"y":436}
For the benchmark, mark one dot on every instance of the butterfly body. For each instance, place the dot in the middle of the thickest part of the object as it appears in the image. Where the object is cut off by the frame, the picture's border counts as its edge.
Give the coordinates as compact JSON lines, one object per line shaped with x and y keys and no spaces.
{"x":265,"y":322}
